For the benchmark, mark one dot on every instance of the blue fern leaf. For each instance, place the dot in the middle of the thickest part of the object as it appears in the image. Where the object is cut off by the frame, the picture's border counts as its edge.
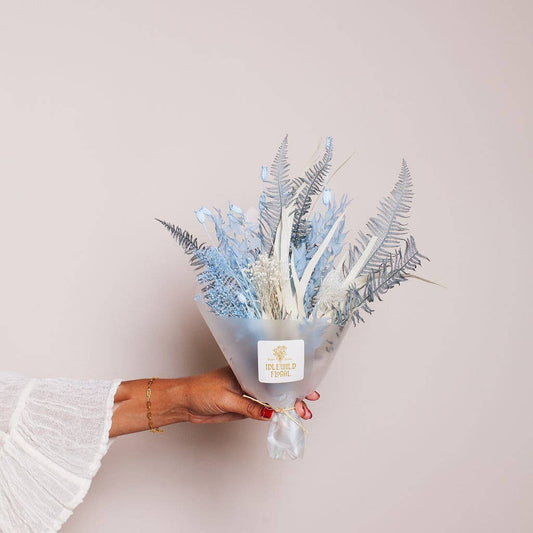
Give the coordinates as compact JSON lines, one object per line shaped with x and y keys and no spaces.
{"x":389,"y":225}
{"x":184,"y":238}
{"x":277,"y":193}
{"x":309,"y":185}
{"x":393,"y":270}
{"x":351,"y":308}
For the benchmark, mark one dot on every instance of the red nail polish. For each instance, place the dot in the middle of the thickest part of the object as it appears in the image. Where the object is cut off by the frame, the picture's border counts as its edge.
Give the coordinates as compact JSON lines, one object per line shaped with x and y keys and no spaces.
{"x":266,"y":412}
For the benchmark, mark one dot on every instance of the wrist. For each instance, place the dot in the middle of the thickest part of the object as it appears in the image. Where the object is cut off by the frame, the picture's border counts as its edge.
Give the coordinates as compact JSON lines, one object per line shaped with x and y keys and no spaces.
{"x":172,"y":407}
{"x":169,"y":405}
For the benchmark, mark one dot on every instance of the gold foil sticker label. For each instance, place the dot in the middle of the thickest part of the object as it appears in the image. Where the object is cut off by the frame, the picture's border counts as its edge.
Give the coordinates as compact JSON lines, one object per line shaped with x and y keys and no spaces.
{"x":280,"y":361}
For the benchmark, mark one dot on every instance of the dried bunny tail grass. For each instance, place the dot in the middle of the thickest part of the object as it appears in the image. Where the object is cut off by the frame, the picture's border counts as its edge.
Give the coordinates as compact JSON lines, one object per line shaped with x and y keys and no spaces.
{"x":331,"y":293}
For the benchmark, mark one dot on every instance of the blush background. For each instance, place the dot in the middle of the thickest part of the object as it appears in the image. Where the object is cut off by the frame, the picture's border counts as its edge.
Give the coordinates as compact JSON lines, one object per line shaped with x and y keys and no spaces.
{"x":117,"y":112}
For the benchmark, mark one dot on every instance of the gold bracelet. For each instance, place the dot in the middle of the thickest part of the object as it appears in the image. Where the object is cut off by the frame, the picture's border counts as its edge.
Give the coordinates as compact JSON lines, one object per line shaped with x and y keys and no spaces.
{"x":149,"y":407}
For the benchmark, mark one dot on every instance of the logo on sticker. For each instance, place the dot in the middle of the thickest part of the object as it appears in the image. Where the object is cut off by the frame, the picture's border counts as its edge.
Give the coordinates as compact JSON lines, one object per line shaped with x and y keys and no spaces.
{"x":280,"y":361}
{"x":280,"y":352}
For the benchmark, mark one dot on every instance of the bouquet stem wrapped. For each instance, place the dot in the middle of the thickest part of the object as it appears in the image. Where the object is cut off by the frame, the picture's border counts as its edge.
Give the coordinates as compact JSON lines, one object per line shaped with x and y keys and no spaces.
{"x":278,"y":289}
{"x":297,"y":356}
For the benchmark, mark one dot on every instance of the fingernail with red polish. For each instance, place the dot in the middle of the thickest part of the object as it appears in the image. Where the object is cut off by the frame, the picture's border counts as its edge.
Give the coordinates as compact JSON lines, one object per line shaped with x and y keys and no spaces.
{"x":266,"y":412}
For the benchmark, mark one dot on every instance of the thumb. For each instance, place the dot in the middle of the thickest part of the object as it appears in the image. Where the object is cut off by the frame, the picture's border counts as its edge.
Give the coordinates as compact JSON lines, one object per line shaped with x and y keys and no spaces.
{"x":244,"y":406}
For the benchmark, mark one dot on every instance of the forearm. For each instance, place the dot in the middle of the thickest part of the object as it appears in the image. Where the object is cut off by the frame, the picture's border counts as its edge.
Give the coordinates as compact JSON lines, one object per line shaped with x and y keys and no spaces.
{"x":169,"y":396}
{"x":207,"y":398}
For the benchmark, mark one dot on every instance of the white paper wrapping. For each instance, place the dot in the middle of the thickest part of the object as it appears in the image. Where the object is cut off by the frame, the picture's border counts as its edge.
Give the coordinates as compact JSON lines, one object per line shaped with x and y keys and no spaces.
{"x":238,"y":339}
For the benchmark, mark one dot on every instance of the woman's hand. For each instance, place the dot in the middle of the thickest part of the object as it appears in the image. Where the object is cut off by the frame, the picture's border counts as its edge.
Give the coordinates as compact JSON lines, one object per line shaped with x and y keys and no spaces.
{"x":217,"y":397}
{"x":206,"y":398}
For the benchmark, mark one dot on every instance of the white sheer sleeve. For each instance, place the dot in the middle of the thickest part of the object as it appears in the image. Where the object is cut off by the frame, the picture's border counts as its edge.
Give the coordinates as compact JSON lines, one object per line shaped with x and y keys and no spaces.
{"x":53,"y":435}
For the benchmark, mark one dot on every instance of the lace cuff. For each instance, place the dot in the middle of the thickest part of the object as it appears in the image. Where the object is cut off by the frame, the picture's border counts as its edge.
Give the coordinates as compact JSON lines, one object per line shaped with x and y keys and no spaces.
{"x":57,"y":435}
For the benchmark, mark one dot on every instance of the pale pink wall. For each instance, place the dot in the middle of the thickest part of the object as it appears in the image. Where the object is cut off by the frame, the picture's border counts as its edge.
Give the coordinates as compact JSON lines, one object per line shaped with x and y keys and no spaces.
{"x":113,"y":113}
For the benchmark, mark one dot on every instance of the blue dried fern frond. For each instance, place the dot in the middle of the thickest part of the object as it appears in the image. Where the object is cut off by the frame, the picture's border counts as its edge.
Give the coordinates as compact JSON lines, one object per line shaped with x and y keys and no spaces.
{"x":311,"y":184}
{"x":351,"y":308}
{"x":389,"y":225}
{"x":393,"y":270}
{"x":185,"y":240}
{"x":277,"y":193}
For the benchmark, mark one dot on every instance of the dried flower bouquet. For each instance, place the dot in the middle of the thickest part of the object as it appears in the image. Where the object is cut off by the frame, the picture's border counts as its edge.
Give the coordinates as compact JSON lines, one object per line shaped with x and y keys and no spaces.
{"x":288,"y":274}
